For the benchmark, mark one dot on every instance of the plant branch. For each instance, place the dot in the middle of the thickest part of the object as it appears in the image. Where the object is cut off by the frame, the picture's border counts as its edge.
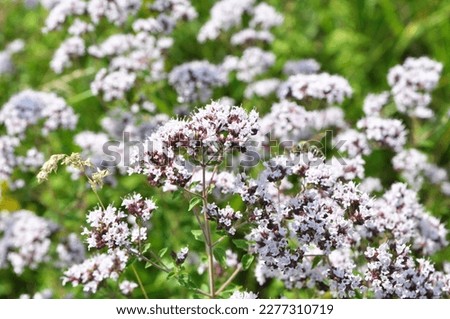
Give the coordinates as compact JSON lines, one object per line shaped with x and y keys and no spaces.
{"x":209,"y":246}
{"x":139,"y":281}
{"x":230,"y":279}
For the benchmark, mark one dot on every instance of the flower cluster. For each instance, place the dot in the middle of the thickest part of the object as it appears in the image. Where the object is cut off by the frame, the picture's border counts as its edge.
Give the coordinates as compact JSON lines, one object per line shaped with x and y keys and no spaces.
{"x":309,"y":217}
{"x":28,"y":107}
{"x":389,"y":133}
{"x":122,"y":233}
{"x":181,"y":256}
{"x":399,"y":214}
{"x":95,"y":270}
{"x":262,"y":88}
{"x":415,"y":167}
{"x":393,"y":273}
{"x":225,"y":14}
{"x":126,"y":287}
{"x":24,"y":112}
{"x":253,"y":62}
{"x":6,"y":56}
{"x":291,"y":123}
{"x":135,"y":55}
{"x":243,"y":295}
{"x":411,"y":84}
{"x":224,"y":217}
{"x":109,"y":227}
{"x":70,"y":251}
{"x":205,"y":137}
{"x":195,"y":80}
{"x":323,"y":86}
{"x":25,"y":241}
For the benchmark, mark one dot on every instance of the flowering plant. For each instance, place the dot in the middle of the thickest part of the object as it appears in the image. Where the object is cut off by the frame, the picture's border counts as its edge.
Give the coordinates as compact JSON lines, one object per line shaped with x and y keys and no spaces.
{"x":241,"y":174}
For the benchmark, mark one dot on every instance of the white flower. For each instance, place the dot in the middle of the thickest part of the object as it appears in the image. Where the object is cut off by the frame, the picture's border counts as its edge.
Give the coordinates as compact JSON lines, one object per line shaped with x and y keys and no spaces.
{"x":93,"y":271}
{"x":71,"y":48}
{"x":323,"y":86}
{"x":265,"y":17}
{"x":306,"y":66}
{"x":389,"y":133}
{"x":243,"y":295}
{"x":25,"y":240}
{"x":70,"y":251}
{"x":115,"y":11}
{"x":252,"y":63}
{"x":373,"y":103}
{"x":28,"y":107}
{"x":262,"y":88}
{"x":126,"y":287}
{"x":195,"y":80}
{"x":250,"y":36}
{"x":112,"y":85}
{"x":411,"y":83}
{"x":225,"y":14}
{"x":61,"y":11}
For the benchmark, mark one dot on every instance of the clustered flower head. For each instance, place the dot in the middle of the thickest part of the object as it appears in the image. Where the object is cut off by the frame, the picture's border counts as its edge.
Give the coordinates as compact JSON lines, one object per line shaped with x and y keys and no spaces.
{"x":6,"y":56}
{"x":195,"y":80}
{"x":224,"y":217}
{"x":25,"y":241}
{"x":28,"y":107}
{"x":121,"y":233}
{"x":126,"y":287}
{"x":389,"y":133}
{"x":411,"y":84}
{"x":262,"y":88}
{"x":323,"y":86}
{"x":415,"y":169}
{"x":70,"y":251}
{"x":225,"y":14}
{"x":95,"y":270}
{"x":110,"y":227}
{"x":393,"y":273}
{"x":291,"y":123}
{"x":134,"y":56}
{"x":399,"y":212}
{"x":253,"y":62}
{"x":206,"y":136}
{"x":305,"y":66}
{"x":181,"y":256}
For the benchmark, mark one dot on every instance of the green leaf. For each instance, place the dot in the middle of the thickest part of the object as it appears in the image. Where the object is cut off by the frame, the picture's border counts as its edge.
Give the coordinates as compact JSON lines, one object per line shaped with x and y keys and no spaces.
{"x":171,"y":274}
{"x":148,"y":264}
{"x":194,"y":202}
{"x":316,"y":261}
{"x":220,"y":255}
{"x":177,"y":194}
{"x":240,"y":243}
{"x":162,"y":252}
{"x":247,"y":261}
{"x":186,"y":281}
{"x":146,"y":248}
{"x":198,"y":234}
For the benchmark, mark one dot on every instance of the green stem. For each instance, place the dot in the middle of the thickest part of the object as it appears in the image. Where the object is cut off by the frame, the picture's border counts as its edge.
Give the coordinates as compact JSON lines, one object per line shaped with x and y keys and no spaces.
{"x":230,"y":279}
{"x":139,"y":281}
{"x":209,"y":246}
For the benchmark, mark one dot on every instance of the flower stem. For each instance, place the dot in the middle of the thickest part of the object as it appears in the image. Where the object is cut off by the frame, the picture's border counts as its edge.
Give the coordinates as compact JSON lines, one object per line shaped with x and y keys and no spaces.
{"x":140,"y":282}
{"x":229,"y":280}
{"x":209,"y":244}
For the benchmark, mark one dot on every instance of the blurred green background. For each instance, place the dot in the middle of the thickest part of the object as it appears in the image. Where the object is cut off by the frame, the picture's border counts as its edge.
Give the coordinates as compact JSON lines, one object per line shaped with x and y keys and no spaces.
{"x":359,"y":40}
